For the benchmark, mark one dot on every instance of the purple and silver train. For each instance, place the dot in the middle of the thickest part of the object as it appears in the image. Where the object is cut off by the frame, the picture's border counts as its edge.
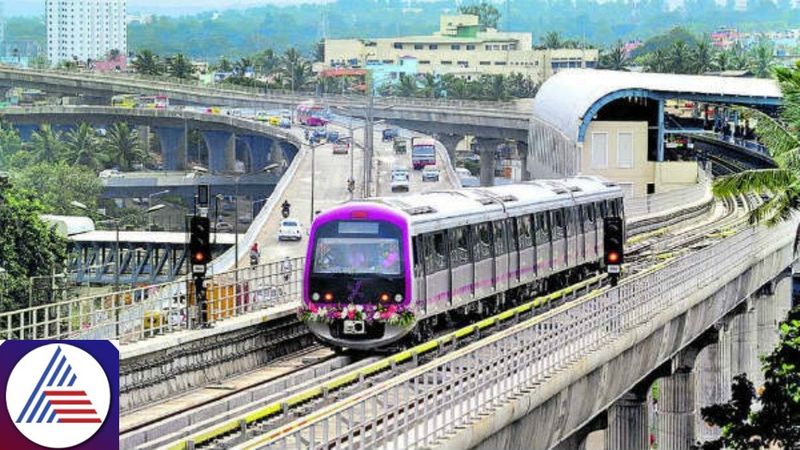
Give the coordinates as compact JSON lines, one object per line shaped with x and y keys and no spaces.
{"x":381,"y":268}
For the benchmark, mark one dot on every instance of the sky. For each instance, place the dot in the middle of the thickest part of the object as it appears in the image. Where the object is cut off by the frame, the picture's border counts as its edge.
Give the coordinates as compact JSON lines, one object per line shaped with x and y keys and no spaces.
{"x":168,"y":7}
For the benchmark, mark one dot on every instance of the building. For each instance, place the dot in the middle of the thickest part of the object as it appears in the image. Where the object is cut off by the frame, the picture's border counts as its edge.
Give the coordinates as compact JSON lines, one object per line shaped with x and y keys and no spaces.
{"x":460,"y":47}
{"x":80,"y":30}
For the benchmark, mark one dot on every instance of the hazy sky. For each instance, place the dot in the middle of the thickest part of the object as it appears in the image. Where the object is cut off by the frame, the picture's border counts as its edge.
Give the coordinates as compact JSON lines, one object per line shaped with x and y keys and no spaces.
{"x":36,"y":7}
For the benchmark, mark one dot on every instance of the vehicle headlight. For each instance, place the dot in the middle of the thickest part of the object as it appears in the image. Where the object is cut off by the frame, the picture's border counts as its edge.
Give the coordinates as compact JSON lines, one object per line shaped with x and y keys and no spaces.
{"x":398,"y":298}
{"x":315,"y":296}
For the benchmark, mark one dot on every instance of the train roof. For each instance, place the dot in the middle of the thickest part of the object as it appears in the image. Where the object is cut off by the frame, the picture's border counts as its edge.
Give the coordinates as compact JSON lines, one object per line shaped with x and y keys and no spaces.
{"x":471,"y":205}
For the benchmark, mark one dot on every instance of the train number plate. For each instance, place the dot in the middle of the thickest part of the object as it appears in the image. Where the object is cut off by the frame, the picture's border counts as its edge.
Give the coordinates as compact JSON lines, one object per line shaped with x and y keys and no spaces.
{"x":614,"y":268}
{"x":354,"y":327}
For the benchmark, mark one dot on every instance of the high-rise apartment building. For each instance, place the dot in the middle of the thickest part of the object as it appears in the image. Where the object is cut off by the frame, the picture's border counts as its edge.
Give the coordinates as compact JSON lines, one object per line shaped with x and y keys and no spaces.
{"x":80,"y":30}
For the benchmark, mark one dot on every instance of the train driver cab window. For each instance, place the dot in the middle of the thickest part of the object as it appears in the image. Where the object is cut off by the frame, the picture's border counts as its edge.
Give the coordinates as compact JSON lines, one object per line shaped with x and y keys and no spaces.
{"x":483,"y":241}
{"x":524,"y":231}
{"x":419,"y":256}
{"x":499,"y":238}
{"x":558,"y":224}
{"x":435,"y":251}
{"x":460,"y":252}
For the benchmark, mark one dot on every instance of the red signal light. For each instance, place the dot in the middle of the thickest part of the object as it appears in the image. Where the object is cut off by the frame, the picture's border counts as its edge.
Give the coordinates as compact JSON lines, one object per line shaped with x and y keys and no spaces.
{"x":199,"y":257}
{"x":613,"y":257}
{"x":359,"y":215}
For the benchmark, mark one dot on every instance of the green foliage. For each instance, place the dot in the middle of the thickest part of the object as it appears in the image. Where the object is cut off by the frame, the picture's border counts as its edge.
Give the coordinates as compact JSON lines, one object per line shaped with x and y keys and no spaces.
{"x":147,"y":62}
{"x":27,"y":246}
{"x":56,"y":184}
{"x":775,"y":424}
{"x":486,"y":87}
{"x":488,"y":15}
{"x":83,"y":148}
{"x":122,"y":144}
{"x":179,"y":67}
{"x":615,"y":58}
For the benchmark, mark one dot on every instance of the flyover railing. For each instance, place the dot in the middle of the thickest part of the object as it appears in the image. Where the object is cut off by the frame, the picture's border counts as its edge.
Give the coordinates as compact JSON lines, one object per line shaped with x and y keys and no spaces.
{"x":428,"y":404}
{"x":135,"y":314}
{"x":278,"y":94}
{"x":675,"y":199}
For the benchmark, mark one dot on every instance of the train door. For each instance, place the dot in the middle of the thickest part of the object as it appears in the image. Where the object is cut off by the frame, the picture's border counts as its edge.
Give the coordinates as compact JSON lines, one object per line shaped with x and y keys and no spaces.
{"x":544,"y":246}
{"x":462,"y":271}
{"x":513,"y":252}
{"x":502,"y":270}
{"x":420,"y":292}
{"x":526,"y":249}
{"x":484,"y":261}
{"x":437,"y":273}
{"x":558,"y":232}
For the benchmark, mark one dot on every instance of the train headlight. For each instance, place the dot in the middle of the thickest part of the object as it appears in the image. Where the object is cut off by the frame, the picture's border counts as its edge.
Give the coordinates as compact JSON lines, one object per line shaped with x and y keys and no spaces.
{"x":398,"y":298}
{"x":315,"y":296}
{"x":384,"y":297}
{"x":328,"y":297}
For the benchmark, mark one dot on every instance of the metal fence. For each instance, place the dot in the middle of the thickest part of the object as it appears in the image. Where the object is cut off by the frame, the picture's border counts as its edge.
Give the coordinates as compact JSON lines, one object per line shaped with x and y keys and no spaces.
{"x":678,"y":198}
{"x":420,"y":407}
{"x":138,"y":313}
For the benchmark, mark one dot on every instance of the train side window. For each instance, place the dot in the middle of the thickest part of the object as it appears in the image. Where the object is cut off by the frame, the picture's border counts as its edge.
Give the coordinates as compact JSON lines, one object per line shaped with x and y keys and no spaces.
{"x":419,"y":256}
{"x":542,"y":223}
{"x":460,"y":253}
{"x":603,"y":209}
{"x":499,"y":237}
{"x":511,"y":235}
{"x":524,"y":232}
{"x":483,"y":241}
{"x":571,"y":220}
{"x":557,"y":223}
{"x":435,"y":251}
{"x":589,"y":213}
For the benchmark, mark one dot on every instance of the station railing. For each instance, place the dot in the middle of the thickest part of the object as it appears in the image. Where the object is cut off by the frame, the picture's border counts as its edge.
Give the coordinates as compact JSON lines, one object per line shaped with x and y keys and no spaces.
{"x":421,"y":407}
{"x":135,"y":314}
{"x":661,"y":202}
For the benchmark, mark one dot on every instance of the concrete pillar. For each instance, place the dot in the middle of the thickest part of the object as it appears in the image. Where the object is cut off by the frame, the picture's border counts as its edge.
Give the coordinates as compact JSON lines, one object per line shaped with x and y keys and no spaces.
{"x":230,"y":154}
{"x":522,"y":154}
{"x":676,"y":411}
{"x":627,"y":424}
{"x":709,"y":388}
{"x":486,"y":148}
{"x":450,"y":142}
{"x":26,"y":130}
{"x":260,"y":149}
{"x":220,"y":146}
{"x":173,"y":147}
{"x":144,"y":136}
{"x":660,"y":149}
{"x":744,"y":341}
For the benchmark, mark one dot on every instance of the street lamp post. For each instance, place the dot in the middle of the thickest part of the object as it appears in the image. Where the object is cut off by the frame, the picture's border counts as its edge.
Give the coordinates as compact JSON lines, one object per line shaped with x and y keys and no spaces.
{"x":150,"y":205}
{"x":313,"y":173}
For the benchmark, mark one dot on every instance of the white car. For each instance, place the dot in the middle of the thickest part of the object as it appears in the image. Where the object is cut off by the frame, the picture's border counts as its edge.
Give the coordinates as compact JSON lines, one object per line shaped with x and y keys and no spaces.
{"x":400,"y":180}
{"x":430,"y":173}
{"x":290,"y":230}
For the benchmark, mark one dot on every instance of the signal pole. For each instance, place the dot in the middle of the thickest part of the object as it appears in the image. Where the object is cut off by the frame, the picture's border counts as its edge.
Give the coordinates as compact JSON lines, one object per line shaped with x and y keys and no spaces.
{"x":200,"y":250}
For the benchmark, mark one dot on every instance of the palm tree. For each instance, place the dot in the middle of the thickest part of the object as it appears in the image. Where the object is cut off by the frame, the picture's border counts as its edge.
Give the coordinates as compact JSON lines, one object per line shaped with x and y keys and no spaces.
{"x":658,"y":61}
{"x":407,"y":86}
{"x":679,"y":57}
{"x":616,"y":58}
{"x":224,"y":65}
{"x":722,"y":60}
{"x":46,"y":144}
{"x":122,"y":144}
{"x":552,"y":39}
{"x":495,"y":87}
{"x":266,"y":62}
{"x":431,"y":86}
{"x":83,"y":148}
{"x":762,"y":57}
{"x":702,"y":55}
{"x":289,"y":61}
{"x":782,"y":138}
{"x":147,"y":63}
{"x":180,"y":67}
{"x":242,"y":66}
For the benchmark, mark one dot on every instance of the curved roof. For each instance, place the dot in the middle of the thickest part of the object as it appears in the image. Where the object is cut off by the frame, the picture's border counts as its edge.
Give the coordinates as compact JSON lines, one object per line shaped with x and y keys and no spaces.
{"x":69,"y":225}
{"x":566,"y":97}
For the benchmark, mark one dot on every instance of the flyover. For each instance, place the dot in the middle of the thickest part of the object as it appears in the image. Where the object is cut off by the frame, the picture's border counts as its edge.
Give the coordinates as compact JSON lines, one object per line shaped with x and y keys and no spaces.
{"x":226,"y":137}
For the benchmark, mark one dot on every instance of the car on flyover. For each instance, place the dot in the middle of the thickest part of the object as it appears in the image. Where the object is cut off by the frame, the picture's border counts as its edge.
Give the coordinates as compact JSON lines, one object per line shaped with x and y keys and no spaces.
{"x":430,"y":173}
{"x":400,"y":180}
{"x":341,"y":148}
{"x":290,"y":230}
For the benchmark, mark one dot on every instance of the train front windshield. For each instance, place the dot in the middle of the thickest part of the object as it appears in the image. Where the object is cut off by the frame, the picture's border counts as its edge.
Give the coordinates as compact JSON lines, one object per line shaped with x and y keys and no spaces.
{"x":357,"y":261}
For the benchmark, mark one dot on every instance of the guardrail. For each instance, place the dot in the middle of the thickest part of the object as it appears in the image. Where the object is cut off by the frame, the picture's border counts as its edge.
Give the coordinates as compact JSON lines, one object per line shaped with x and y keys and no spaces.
{"x":278,"y":94}
{"x":135,"y":314}
{"x":678,"y":198}
{"x":422,"y":406}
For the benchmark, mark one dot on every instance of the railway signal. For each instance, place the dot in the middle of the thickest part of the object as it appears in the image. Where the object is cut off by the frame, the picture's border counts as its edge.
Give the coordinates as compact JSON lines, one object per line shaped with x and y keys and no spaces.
{"x":200,"y":256}
{"x":613,"y":242}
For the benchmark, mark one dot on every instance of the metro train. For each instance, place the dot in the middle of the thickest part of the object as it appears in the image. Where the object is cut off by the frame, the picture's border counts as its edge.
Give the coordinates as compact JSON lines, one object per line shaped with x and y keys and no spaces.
{"x":379,"y":269}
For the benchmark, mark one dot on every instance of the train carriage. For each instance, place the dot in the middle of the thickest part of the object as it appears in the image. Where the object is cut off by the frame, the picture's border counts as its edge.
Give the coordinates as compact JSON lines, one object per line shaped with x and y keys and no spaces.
{"x":379,"y":268}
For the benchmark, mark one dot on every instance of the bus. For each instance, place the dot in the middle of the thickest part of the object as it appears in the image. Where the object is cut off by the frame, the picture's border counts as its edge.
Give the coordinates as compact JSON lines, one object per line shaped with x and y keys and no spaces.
{"x":124,"y":101}
{"x":311,"y":115}
{"x":153,"y":102}
{"x":423,"y":152}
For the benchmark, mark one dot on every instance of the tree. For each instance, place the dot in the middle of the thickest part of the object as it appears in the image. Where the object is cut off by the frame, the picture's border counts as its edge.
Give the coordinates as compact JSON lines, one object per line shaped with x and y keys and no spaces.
{"x":46,"y":144}
{"x":431,"y":86}
{"x":290,"y":60}
{"x":10,"y":145}
{"x":488,"y":15}
{"x":266,"y":62}
{"x":680,"y":55}
{"x":494,"y":87}
{"x":615,"y":58}
{"x":552,"y":39}
{"x":776,"y":422}
{"x":27,"y":246}
{"x":180,"y":67}
{"x":147,"y":63}
{"x":319,"y":51}
{"x":242,"y":66}
{"x":702,"y":54}
{"x":782,"y":138}
{"x":224,"y":65}
{"x":722,"y":61}
{"x":83,"y":148}
{"x":122,"y":145}
{"x":762,"y":57}
{"x":407,"y":86}
{"x":56,"y":184}
{"x":657,"y":61}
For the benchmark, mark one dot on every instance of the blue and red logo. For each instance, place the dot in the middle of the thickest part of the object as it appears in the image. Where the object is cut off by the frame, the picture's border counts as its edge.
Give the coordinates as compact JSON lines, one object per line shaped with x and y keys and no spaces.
{"x":60,"y":394}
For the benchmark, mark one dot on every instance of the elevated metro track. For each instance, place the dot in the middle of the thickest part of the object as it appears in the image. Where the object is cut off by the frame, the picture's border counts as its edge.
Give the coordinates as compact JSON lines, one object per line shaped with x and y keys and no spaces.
{"x":488,"y":119}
